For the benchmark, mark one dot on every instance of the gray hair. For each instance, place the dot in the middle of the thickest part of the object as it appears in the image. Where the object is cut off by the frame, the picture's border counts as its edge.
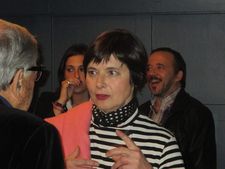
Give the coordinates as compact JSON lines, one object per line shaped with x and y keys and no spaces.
{"x":18,"y":49}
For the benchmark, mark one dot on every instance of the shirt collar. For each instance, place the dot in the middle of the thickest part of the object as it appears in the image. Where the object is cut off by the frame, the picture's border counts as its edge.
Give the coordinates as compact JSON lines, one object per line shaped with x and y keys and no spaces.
{"x":5,"y":102}
{"x":172,"y":96}
{"x":167,"y":101}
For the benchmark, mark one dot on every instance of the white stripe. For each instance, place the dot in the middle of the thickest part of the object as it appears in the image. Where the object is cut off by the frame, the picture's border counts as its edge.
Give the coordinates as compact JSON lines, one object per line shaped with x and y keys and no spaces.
{"x":144,"y":141}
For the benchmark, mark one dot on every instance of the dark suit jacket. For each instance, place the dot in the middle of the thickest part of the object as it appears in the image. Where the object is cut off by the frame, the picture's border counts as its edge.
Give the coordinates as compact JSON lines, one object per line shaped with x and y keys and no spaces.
{"x":193,"y":125}
{"x":27,"y":142}
{"x":44,"y":108}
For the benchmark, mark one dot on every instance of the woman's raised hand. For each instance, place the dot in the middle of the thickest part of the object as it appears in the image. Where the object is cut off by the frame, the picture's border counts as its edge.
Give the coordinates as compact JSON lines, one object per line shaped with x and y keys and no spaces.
{"x":129,"y":156}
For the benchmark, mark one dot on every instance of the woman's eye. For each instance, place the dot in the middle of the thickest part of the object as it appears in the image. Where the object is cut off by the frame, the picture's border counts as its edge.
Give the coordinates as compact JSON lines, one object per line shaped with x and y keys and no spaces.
{"x":113,"y":72}
{"x":70,"y":69}
{"x":91,"y":72}
{"x":81,"y":69}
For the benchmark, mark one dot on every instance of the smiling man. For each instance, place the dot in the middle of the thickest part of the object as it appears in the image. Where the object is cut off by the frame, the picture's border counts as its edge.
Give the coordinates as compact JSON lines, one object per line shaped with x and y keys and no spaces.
{"x":172,"y":107}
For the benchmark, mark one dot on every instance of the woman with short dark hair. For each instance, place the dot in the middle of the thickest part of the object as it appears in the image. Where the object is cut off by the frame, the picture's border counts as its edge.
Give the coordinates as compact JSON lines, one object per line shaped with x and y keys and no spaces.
{"x":113,"y":132}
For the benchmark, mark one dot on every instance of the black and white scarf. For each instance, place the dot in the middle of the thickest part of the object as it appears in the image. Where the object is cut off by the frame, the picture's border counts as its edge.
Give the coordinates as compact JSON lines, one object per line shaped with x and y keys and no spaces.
{"x":114,"y":118}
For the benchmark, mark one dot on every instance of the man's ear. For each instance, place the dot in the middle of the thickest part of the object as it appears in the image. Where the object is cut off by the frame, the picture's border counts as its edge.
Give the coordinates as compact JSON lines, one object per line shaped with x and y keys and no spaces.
{"x":179,"y":76}
{"x":17,"y":81}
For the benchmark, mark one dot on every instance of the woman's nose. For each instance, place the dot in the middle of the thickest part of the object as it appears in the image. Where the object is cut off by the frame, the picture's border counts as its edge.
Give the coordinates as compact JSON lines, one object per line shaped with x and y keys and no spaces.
{"x":76,"y":74}
{"x":100,"y":81}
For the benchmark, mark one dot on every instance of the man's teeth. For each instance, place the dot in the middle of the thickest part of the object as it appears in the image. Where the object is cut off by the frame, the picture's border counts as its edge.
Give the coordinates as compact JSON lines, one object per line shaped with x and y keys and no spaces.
{"x":154,"y":80}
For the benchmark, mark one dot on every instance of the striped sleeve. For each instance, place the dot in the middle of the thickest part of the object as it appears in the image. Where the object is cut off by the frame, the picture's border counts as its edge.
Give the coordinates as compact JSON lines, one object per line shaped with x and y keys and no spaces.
{"x":171,"y":156}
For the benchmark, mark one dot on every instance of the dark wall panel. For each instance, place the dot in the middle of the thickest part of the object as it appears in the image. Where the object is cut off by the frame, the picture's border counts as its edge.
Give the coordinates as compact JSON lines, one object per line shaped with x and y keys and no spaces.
{"x":97,"y":7}
{"x":69,"y":30}
{"x":24,"y":7}
{"x":40,"y":27}
{"x":218,"y":114}
{"x":117,"y":7}
{"x":196,"y":28}
{"x":200,"y":38}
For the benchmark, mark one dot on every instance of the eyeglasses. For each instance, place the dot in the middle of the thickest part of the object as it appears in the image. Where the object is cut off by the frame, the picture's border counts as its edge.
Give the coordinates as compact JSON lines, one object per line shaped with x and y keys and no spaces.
{"x":38,"y":70}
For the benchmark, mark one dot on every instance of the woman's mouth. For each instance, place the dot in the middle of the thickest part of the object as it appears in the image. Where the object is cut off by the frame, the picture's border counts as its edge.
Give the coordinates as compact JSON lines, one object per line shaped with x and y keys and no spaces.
{"x":102,"y":96}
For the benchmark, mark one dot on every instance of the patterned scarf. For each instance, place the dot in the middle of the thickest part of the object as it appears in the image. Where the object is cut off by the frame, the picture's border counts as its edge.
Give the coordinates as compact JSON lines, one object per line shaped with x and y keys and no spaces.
{"x":114,"y":118}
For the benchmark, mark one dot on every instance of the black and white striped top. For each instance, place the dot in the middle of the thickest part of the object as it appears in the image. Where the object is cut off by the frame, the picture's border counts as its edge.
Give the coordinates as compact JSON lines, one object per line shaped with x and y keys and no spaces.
{"x":157,"y":144}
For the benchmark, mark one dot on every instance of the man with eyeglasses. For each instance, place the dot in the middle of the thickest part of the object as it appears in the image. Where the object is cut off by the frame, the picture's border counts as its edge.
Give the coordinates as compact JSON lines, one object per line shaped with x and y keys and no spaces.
{"x":38,"y":70}
{"x":27,"y":142}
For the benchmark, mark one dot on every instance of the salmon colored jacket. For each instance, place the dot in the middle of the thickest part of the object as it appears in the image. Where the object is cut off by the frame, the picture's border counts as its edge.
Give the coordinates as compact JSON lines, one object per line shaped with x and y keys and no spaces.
{"x":73,"y":127}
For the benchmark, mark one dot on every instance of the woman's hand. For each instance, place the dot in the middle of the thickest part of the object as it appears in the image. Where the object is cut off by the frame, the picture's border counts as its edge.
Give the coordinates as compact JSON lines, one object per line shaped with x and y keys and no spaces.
{"x":73,"y":162}
{"x":66,"y":91}
{"x":129,"y":157}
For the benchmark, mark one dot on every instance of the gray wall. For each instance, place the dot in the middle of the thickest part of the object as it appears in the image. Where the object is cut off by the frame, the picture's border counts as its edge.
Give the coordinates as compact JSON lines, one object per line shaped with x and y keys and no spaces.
{"x":196,"y":28}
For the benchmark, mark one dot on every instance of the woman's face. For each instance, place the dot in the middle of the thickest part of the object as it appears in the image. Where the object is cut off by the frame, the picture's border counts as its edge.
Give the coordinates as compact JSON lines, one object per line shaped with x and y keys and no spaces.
{"x":109,"y":84}
{"x":74,"y":70}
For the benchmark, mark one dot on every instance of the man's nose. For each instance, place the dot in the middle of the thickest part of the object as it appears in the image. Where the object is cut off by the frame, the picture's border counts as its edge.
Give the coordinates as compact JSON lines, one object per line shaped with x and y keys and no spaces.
{"x":151,"y":71}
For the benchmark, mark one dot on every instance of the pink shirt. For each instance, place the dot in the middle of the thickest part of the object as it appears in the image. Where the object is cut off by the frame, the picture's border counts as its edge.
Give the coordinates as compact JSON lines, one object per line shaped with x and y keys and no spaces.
{"x":73,"y":127}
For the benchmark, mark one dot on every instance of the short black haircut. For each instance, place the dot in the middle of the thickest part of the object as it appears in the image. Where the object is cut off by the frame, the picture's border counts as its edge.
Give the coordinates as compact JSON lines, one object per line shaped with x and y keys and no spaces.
{"x":126,"y":47}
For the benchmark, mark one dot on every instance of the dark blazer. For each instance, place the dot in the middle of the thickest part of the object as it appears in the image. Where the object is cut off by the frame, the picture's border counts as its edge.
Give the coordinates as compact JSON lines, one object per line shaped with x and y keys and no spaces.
{"x":193,"y":125}
{"x":44,"y":108}
{"x":27,"y":142}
